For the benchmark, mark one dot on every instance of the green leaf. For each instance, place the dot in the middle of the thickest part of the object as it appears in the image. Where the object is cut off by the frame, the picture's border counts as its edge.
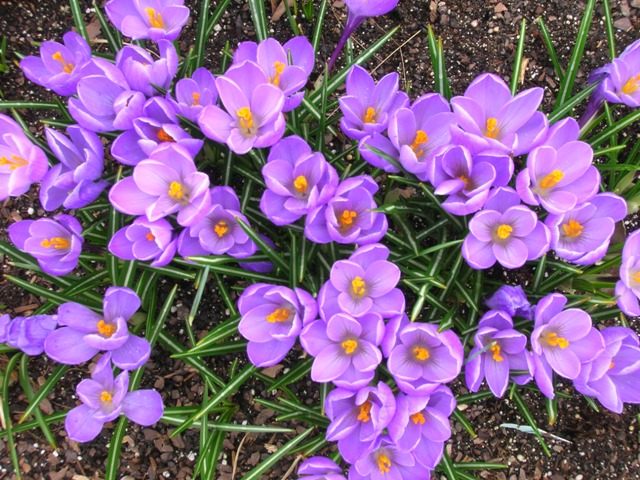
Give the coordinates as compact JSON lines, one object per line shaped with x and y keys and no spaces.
{"x":259,"y":17}
{"x":6,"y":414}
{"x":78,"y":19}
{"x":517,"y":63}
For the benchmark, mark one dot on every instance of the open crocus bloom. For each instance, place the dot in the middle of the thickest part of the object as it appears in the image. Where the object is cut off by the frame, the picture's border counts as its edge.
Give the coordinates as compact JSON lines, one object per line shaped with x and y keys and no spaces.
{"x":153,"y":19}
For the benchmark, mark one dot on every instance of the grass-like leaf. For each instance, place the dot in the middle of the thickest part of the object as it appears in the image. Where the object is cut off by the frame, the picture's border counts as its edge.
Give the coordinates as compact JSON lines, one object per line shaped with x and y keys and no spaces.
{"x":78,"y":19}
{"x":275,"y":457}
{"x":517,"y":63}
{"x":259,"y":17}
{"x":6,"y":413}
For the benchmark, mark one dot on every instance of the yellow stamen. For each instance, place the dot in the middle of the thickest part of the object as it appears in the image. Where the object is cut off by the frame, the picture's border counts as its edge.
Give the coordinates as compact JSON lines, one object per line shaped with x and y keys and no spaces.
{"x":370,"y":116}
{"x":636,"y":277}
{"x":279,"y":315}
{"x":221,"y":228}
{"x":275,"y":80}
{"x":492,"y":129}
{"x":163,"y":136}
{"x":105,"y":397}
{"x":196,"y":98}
{"x":418,"y":418}
{"x":504,"y":231}
{"x":572,"y":229}
{"x":349,"y":346}
{"x":555,"y":341}
{"x":358,"y":286}
{"x":56,"y":242}
{"x":155,"y":18}
{"x":552,"y":179}
{"x":66,"y":67}
{"x":105,"y":329}
{"x":14,"y":162}
{"x":420,"y":138}
{"x":611,"y":365}
{"x":150,"y":236}
{"x":365,"y":409}
{"x":496,"y":353}
{"x":421,"y":353}
{"x":300,"y":184}
{"x":175,"y":191}
{"x":246,"y":118}
{"x":384,"y":464}
{"x":465,"y":180}
{"x":631,"y":85}
{"x":346,"y":219}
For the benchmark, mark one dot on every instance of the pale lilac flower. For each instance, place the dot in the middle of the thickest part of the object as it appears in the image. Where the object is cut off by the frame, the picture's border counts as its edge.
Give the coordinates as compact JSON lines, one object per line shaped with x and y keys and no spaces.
{"x":105,"y":398}
{"x":387,"y":461}
{"x":55,"y":242}
{"x":195,"y":93}
{"x":141,"y":70}
{"x":320,"y":468}
{"x":272,"y":317}
{"x":84,"y":333}
{"x":504,"y":231}
{"x":511,"y":300}
{"x":628,"y":287}
{"x":59,"y":67}
{"x":27,"y":333}
{"x":152,"y":19}
{"x":145,"y":240}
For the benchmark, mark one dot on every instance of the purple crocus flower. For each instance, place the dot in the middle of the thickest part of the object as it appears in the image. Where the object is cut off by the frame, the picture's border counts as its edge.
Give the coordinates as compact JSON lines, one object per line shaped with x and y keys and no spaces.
{"x":55,"y":242}
{"x":494,"y":119}
{"x":297,"y":181}
{"x":345,"y":349}
{"x":27,"y":333}
{"x":105,"y":398}
{"x":366,"y":106}
{"x":320,"y":468}
{"x":195,"y":93}
{"x":498,"y":349}
{"x":358,"y":418}
{"x":253,"y":116}
{"x":59,"y":66}
{"x":348,"y":216}
{"x":621,"y":78}
{"x":21,"y":162}
{"x":145,"y":240}
{"x":153,"y":19}
{"x":582,"y":234}
{"x":386,"y":461}
{"x":613,"y":376}
{"x":421,"y":424}
{"x":561,"y":341}
{"x":628,"y":287}
{"x":272,"y":317}
{"x":76,"y":181}
{"x":366,"y":282}
{"x":286,"y":66}
{"x":559,"y":179}
{"x":424,"y":358}
{"x":504,"y":231}
{"x":511,"y":300}
{"x":141,"y":70}
{"x":167,"y":182}
{"x":84,"y":333}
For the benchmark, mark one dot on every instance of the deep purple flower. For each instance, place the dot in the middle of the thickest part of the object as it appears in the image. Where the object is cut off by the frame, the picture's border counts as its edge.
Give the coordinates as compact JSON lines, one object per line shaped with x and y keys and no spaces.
{"x":272,"y":317}
{"x":253,"y":116}
{"x":582,"y":234}
{"x":628,"y":287}
{"x":84,"y":332}
{"x":424,"y":358}
{"x":494,"y":119}
{"x":320,"y":468}
{"x":145,"y":240}
{"x":195,"y":93}
{"x":141,"y":70}
{"x":358,"y":418}
{"x":511,"y":300}
{"x":504,"y":231}
{"x":76,"y":181}
{"x":498,"y":349}
{"x":59,"y":66}
{"x":348,"y":217}
{"x":297,"y":181}
{"x":105,"y":398}
{"x":27,"y":333}
{"x":386,"y":461}
{"x":21,"y":162}
{"x":561,"y":341}
{"x":55,"y":242}
{"x":167,"y":182}
{"x":153,"y":19}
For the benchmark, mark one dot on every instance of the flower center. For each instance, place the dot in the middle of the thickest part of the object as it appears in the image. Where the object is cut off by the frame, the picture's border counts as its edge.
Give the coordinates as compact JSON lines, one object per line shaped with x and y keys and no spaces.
{"x":245,"y":118}
{"x":504,"y":231}
{"x":150,"y":236}
{"x":105,"y":329}
{"x":105,"y":397}
{"x":611,"y":365}
{"x":175,"y":191}
{"x":365,"y":409}
{"x":155,"y":18}
{"x":418,"y":418}
{"x":420,"y":138}
{"x":358,"y":286}
{"x":552,"y":179}
{"x":384,"y":464}
{"x":631,"y":85}
{"x":420,"y":353}
{"x":14,"y":162}
{"x":572,"y":229}
{"x":196,"y":98}
{"x":301,"y":184}
{"x":555,"y":341}
{"x":279,"y":67}
{"x":464,"y":180}
{"x":163,"y":136}
{"x":56,"y":242}
{"x":492,"y":129}
{"x":496,"y":353}
{"x":346,"y":219}
{"x":636,"y":277}
{"x":370,"y":116}
{"x":221,"y":228}
{"x":279,"y":315}
{"x":349,"y":346}
{"x":66,"y":67}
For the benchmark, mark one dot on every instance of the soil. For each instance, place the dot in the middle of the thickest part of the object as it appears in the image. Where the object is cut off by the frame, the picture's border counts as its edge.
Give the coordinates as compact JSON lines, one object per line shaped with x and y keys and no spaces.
{"x":478,"y":36}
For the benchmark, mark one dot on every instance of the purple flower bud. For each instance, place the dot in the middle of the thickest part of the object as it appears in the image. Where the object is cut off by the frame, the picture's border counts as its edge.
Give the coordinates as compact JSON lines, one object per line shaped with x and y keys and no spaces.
{"x":141,"y":70}
{"x":156,"y":20}
{"x":27,"y":333}
{"x":511,"y":300}
{"x":320,"y":468}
